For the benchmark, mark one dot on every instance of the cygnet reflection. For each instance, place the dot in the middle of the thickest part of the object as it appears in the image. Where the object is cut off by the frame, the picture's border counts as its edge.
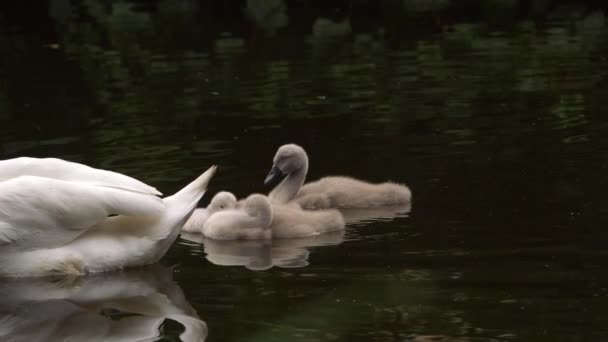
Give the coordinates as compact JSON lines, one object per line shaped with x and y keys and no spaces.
{"x":258,"y":219}
{"x":364,"y":215}
{"x":121,"y":306}
{"x":264,"y":254}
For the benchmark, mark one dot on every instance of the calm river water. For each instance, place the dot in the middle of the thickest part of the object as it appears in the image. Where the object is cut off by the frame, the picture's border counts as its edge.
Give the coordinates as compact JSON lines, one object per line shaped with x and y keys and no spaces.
{"x":491,"y":111}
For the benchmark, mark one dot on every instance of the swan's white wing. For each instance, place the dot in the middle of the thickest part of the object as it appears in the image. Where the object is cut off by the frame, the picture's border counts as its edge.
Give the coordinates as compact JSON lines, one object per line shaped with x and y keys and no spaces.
{"x":42,"y":212}
{"x":70,"y":171}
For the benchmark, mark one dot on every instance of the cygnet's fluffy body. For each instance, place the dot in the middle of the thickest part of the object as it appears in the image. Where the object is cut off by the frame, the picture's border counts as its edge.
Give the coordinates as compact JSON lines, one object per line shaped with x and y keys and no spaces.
{"x":347,"y":192}
{"x":291,"y":162}
{"x":290,"y":221}
{"x":223,"y":200}
{"x":258,"y":219}
{"x":251,"y":222}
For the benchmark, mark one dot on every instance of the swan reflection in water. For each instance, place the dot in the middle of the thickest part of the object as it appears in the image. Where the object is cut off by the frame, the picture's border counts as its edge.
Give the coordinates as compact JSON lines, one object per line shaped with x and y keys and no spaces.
{"x":263,"y":254}
{"x":122,"y":306}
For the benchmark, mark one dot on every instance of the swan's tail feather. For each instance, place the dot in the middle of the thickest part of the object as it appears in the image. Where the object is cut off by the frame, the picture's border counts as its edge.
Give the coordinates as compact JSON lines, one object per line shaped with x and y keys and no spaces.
{"x":179,"y":208}
{"x":193,"y":192}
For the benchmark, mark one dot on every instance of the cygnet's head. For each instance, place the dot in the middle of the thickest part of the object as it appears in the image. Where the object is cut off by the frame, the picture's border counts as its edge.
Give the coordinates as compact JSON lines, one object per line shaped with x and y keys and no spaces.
{"x":289,"y":159}
{"x":221,"y":201}
{"x":257,"y":205}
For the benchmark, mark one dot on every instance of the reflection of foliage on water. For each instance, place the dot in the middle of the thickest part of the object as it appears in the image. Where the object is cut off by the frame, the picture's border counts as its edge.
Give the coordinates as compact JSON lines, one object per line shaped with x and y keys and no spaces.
{"x":425,"y":5}
{"x":127,"y":56}
{"x":269,"y":15}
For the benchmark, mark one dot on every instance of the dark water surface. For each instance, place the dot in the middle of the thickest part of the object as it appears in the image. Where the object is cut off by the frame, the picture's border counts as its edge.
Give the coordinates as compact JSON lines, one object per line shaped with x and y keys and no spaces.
{"x":492,"y":111}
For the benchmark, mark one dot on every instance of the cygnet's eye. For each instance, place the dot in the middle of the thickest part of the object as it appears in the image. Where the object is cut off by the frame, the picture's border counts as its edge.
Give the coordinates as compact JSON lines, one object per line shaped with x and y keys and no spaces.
{"x":221,"y":207}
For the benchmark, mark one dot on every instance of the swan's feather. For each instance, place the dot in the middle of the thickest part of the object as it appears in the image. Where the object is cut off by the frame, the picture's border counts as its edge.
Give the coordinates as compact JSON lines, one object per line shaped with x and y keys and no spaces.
{"x":42,"y":212}
{"x":69,"y":171}
{"x":53,"y":226}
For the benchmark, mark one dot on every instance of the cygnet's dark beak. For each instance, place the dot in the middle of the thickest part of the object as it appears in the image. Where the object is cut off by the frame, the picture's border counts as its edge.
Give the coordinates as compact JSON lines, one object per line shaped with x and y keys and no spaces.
{"x":275,"y":176}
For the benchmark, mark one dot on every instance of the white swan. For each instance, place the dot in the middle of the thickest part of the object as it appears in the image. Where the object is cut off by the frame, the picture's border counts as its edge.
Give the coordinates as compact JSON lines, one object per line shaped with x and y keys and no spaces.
{"x":223,"y":200}
{"x":291,"y":162}
{"x":61,"y":226}
{"x":258,"y":219}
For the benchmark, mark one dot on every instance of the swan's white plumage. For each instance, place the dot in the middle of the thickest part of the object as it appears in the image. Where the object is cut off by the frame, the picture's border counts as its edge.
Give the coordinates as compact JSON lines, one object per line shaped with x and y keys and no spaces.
{"x":61,"y":226}
{"x":69,"y":171}
{"x":43,"y":212}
